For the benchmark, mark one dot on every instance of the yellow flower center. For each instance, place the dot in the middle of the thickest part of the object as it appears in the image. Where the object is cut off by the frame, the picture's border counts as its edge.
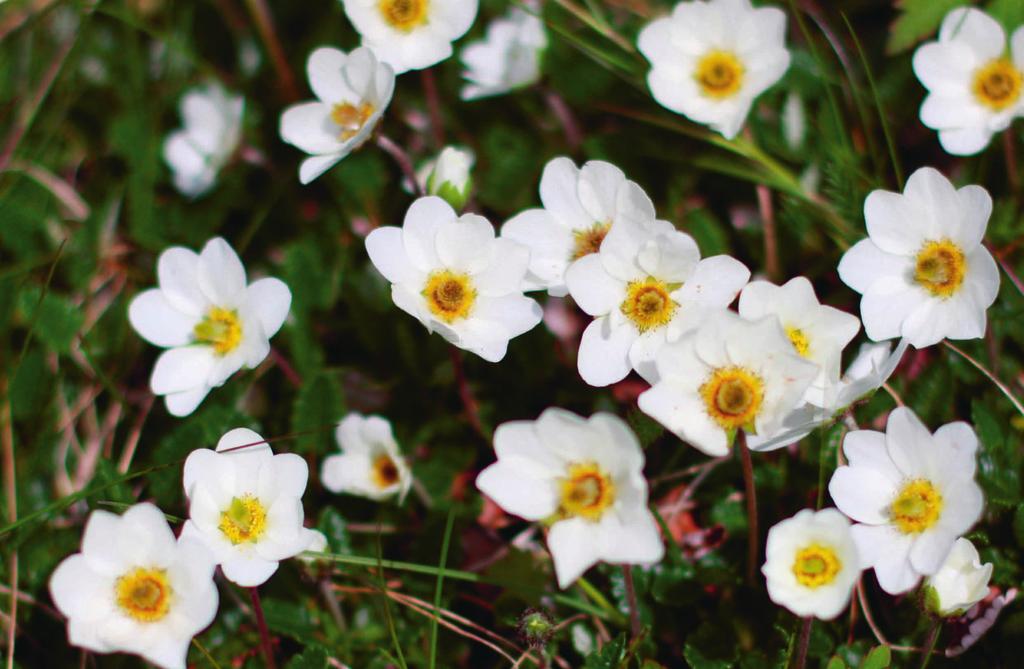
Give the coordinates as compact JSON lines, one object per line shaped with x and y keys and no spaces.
{"x":719,"y":75}
{"x":221,"y":329}
{"x":404,"y":15}
{"x":648,"y":303}
{"x":350,"y":118}
{"x":589,"y":240}
{"x":997,"y":84}
{"x":144,"y":594}
{"x":587,"y":491}
{"x":916,"y":507}
{"x":450,"y":296}
{"x":816,"y":565}
{"x":940,"y":267}
{"x":384,"y":471}
{"x":244,"y":521}
{"x":733,"y":397}
{"x":799,"y":341}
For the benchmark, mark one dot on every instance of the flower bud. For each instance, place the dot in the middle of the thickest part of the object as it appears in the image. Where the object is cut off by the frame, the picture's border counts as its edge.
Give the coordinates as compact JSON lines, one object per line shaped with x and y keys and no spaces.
{"x":449,"y":176}
{"x":536,"y":627}
{"x":960,"y":583}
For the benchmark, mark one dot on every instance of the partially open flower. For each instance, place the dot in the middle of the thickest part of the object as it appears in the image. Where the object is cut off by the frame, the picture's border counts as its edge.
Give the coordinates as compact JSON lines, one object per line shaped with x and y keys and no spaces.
{"x":370,"y":463}
{"x":212,"y":129}
{"x":449,"y":177}
{"x":507,"y":58}
{"x":960,"y":583}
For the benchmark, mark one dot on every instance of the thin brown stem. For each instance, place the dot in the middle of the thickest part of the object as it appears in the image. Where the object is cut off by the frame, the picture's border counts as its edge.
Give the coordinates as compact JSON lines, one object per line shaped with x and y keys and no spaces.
{"x":862,"y":598}
{"x":1014,"y":279}
{"x":802,"y":642}
{"x":771,"y":240}
{"x":634,"y":609}
{"x":469,"y":403}
{"x":1010,"y":153}
{"x":750,"y":492}
{"x":561,"y":110}
{"x":991,"y":376}
{"x":286,"y":368}
{"x":260,"y":12}
{"x":261,"y":623}
{"x":11,"y":498}
{"x":402,"y":159}
{"x":433,"y":106}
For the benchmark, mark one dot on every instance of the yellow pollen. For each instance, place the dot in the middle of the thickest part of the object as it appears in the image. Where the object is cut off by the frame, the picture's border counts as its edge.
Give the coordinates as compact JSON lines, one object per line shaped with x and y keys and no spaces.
{"x":450,"y":296}
{"x":940,"y":267}
{"x":732,"y":397}
{"x":404,"y":15}
{"x":587,"y":491}
{"x":997,"y":84}
{"x":719,"y":75}
{"x":144,"y":594}
{"x":916,"y":507}
{"x":648,"y":303}
{"x":799,"y":340}
{"x":350,"y":118}
{"x":221,"y":329}
{"x":816,"y":565}
{"x":589,"y":240}
{"x":384,"y":471}
{"x":244,"y":521}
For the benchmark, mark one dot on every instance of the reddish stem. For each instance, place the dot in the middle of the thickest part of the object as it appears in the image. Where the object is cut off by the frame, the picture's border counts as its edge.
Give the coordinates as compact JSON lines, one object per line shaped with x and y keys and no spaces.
{"x":433,"y":106}
{"x":261,"y":623}
{"x":750,"y":493}
{"x":468,"y":401}
{"x":286,"y":368}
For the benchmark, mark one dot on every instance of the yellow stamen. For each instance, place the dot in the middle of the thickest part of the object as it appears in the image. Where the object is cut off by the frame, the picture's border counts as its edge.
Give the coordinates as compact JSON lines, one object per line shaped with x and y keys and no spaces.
{"x":587,"y":491}
{"x":997,"y":84}
{"x":244,"y":521}
{"x":733,"y":397}
{"x":404,"y":15}
{"x":816,"y":565}
{"x":221,"y":329}
{"x":940,"y":267}
{"x":350,"y":118}
{"x":144,"y":594}
{"x":648,"y":303}
{"x":589,"y":240}
{"x":450,"y":296}
{"x":799,"y":340}
{"x":917,"y":507}
{"x":719,"y":75}
{"x":384,"y":471}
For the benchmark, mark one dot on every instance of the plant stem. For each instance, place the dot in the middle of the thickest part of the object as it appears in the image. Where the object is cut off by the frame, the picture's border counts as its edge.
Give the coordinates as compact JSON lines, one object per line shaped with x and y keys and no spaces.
{"x":1010,"y":153}
{"x":771,"y":242}
{"x":268,"y":33}
{"x":991,"y":376}
{"x":750,"y":492}
{"x":803,"y":641}
{"x":469,"y":404}
{"x":433,"y":106}
{"x":11,"y":499}
{"x":930,"y":642}
{"x":404,"y":162}
{"x":261,"y":623}
{"x":570,"y":128}
{"x":634,"y":609}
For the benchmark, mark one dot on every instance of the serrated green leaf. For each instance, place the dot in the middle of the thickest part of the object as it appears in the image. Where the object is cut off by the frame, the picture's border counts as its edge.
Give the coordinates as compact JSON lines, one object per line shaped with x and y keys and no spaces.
{"x":313,"y":657}
{"x":55,"y":321}
{"x":917,"y":20}
{"x":317,"y":408}
{"x":609,"y":656}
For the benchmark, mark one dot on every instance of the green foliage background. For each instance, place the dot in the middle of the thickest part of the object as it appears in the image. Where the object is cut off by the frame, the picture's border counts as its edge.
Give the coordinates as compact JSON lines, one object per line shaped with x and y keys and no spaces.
{"x":89,"y":90}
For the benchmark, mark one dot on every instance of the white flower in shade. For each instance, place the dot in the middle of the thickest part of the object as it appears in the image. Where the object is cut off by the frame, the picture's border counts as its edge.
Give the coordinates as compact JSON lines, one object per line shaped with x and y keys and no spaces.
{"x":811,"y":563}
{"x":245,"y":505}
{"x":507,"y":58}
{"x":411,"y":34}
{"x":646,"y":286}
{"x":960,"y":583}
{"x":580,"y":207}
{"x":212,"y":129}
{"x":727,"y":375}
{"x":975,"y":88}
{"x":451,"y":274}
{"x":135,"y":588}
{"x":370,"y":463}
{"x":818,"y":333}
{"x":710,"y":60}
{"x":582,"y":477}
{"x":352,"y":91}
{"x":923,"y":271}
{"x":913,"y":494}
{"x":210,"y":319}
{"x":449,"y":177}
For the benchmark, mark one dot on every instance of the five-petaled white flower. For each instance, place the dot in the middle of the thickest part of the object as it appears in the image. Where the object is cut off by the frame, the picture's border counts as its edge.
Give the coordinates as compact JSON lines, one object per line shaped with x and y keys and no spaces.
{"x":811,"y":563}
{"x":923,"y":271}
{"x":135,"y":588}
{"x":211,"y":321}
{"x":975,"y":89}
{"x":582,"y":477}
{"x":960,"y":583}
{"x":212,"y":129}
{"x":508,"y":57}
{"x":913,"y":494}
{"x":411,"y":34}
{"x":727,"y":375}
{"x":451,"y":273}
{"x":710,"y":60}
{"x":370,"y":463}
{"x":352,"y":91}
{"x":245,"y":505}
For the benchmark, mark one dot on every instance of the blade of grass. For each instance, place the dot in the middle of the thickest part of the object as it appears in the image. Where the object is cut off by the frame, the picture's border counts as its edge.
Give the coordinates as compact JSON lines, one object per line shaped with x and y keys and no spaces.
{"x":387,"y":607}
{"x":440,"y":583}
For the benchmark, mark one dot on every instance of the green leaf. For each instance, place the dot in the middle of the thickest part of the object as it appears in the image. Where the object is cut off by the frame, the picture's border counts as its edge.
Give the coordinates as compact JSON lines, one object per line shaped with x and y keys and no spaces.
{"x":919,"y":19}
{"x":711,"y":647}
{"x":609,"y":656}
{"x":879,"y":658}
{"x":836,"y":663}
{"x":998,"y":461}
{"x":335,"y":528}
{"x":317,"y":408}
{"x":1009,"y":12}
{"x":55,"y":320}
{"x":313,"y":657}
{"x":646,"y":428}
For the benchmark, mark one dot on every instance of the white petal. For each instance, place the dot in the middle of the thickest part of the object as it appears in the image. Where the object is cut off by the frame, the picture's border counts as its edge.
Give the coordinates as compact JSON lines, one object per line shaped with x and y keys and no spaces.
{"x":504,"y":274}
{"x":966,"y":141}
{"x":515,"y":313}
{"x":420,"y":228}
{"x":324,"y":71}
{"x":603,"y":356}
{"x":715,"y":281}
{"x":466,"y":244}
{"x":519,"y":487}
{"x":685,"y":415}
{"x":387,"y":253}
{"x":313,"y":167}
{"x":185,"y":402}
{"x":888,"y":552}
{"x":598,"y":187}
{"x":549,"y":242}
{"x":308,"y":126}
{"x":178,"y":275}
{"x":892,"y":222}
{"x":975,"y":28}
{"x":248,"y":570}
{"x":865,"y":263}
{"x":283,"y":476}
{"x":862,"y":493}
{"x":573,"y":549}
{"x":181,"y":369}
{"x":592,"y":288}
{"x":221,"y":274}
{"x":158,"y":321}
{"x":270,"y":299}
{"x":558,"y":192}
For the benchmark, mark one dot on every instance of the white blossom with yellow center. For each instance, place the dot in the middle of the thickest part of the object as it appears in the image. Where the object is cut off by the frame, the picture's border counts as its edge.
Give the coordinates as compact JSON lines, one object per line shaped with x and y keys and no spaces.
{"x":212,"y":321}
{"x":134,"y":588}
{"x":912,"y":493}
{"x":455,"y":277}
{"x":647,"y":286}
{"x":370,"y":464}
{"x":411,"y":34}
{"x":811,"y":563}
{"x":710,"y":60}
{"x":583,"y":477}
{"x":975,"y":86}
{"x":729,"y":374}
{"x":923,"y":272}
{"x":352,"y":91}
{"x":245,"y":505}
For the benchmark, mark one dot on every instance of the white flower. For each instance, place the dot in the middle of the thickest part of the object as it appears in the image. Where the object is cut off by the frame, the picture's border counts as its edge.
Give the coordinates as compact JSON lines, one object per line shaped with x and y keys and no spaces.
{"x":448,"y":177}
{"x":913,"y":493}
{"x":370,"y":464}
{"x":811,"y":563}
{"x":211,"y":321}
{"x":135,"y":588}
{"x":923,"y":272}
{"x":352,"y":93}
{"x":961,"y":581}
{"x":646,"y":286}
{"x":974,"y":87}
{"x":451,"y":273}
{"x":411,"y":34}
{"x":727,"y":375}
{"x":582,"y":477}
{"x":507,"y":58}
{"x":245,"y":505}
{"x":710,"y":60}
{"x":212,"y":129}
